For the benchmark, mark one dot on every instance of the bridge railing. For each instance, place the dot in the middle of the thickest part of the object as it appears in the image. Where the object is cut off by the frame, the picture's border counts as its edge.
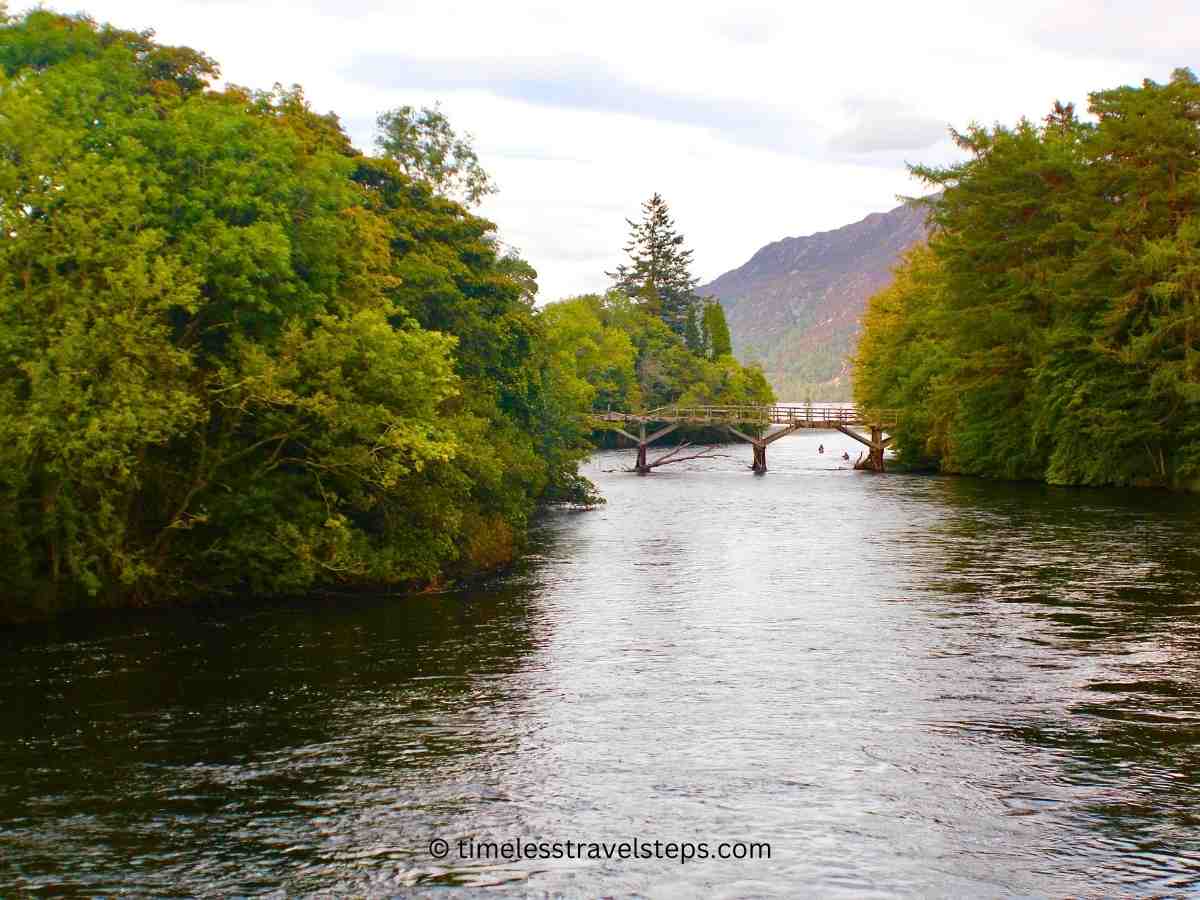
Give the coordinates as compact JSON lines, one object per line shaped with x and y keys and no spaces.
{"x":777,"y":414}
{"x":787,"y":414}
{"x":713,"y":413}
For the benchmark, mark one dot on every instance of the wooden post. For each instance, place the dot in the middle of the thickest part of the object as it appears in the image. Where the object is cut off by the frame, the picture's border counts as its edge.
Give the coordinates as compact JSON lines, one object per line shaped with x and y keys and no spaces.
{"x":875,"y":458}
{"x":760,"y":458}
{"x":759,"y":465}
{"x":642,"y":467}
{"x":875,"y":445}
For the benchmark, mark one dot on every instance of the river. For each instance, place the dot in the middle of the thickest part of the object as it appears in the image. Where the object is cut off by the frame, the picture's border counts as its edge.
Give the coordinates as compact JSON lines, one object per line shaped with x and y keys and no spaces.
{"x":905,"y":685}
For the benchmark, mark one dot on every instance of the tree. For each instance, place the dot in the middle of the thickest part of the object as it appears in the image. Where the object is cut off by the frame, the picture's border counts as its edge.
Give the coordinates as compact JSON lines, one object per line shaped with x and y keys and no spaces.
{"x":633,"y":361}
{"x":658,"y":273}
{"x":1051,"y":330}
{"x":600,"y":355}
{"x":718,"y":341}
{"x":41,"y":39}
{"x":426,"y":148}
{"x":236,"y":354}
{"x":693,"y":334}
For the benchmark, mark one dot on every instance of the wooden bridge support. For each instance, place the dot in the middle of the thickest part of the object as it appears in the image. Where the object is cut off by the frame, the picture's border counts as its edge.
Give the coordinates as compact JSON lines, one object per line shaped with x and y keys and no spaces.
{"x":759,"y":465}
{"x":875,"y":447}
{"x":642,"y":441}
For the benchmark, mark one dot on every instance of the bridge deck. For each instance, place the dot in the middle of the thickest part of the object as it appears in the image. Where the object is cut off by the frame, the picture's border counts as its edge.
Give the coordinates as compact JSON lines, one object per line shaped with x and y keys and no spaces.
{"x":794,"y":415}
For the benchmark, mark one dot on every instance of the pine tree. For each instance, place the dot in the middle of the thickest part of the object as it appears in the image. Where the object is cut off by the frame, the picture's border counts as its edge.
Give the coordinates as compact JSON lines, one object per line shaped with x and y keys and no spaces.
{"x":658,"y":273}
{"x":1062,"y":118}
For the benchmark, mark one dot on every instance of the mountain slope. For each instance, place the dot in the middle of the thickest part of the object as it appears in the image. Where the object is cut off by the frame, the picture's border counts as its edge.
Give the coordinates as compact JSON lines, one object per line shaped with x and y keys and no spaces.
{"x":795,"y":306}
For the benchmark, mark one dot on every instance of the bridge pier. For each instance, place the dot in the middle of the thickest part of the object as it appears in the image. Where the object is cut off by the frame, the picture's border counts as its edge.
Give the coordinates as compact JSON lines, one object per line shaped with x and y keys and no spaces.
{"x":759,"y":465}
{"x":875,"y":447}
{"x":875,"y":457}
{"x":642,"y":441}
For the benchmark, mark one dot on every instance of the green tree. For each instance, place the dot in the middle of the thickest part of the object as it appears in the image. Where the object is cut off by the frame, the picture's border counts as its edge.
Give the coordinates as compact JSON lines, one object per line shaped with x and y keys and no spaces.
{"x":600,"y":355}
{"x":235,"y":354}
{"x":42,"y":39}
{"x":716,"y":330}
{"x":633,"y":361}
{"x":693,"y":335}
{"x":426,"y":148}
{"x":658,"y":272}
{"x":1051,"y":329}
{"x":905,"y":359}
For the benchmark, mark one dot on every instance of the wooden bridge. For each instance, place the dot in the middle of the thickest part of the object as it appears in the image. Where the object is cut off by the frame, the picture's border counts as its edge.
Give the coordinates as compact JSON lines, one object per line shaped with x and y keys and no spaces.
{"x":755,"y":418}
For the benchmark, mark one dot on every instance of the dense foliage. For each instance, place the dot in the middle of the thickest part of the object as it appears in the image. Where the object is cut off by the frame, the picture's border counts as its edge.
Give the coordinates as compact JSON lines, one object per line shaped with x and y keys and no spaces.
{"x":659,"y":271}
{"x":237,"y":354}
{"x":1051,"y":329}
{"x":680,"y":350}
{"x":630,"y":360}
{"x":714,"y":332}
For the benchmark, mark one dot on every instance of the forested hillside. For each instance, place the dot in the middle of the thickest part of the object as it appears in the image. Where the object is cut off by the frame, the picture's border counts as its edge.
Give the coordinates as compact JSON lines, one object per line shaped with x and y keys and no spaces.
{"x":1051,"y":329}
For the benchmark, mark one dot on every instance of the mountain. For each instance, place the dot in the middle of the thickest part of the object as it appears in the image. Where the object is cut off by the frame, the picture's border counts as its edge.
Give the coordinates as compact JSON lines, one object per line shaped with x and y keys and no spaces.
{"x":795,"y":306}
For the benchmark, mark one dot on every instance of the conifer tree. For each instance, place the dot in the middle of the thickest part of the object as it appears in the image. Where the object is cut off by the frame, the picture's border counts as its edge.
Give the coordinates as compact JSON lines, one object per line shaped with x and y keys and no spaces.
{"x":693,"y":334}
{"x":718,"y":341}
{"x":658,"y":273}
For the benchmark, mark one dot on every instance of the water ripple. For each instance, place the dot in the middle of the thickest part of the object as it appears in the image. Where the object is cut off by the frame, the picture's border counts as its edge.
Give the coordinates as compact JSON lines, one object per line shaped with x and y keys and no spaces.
{"x":908,"y":686}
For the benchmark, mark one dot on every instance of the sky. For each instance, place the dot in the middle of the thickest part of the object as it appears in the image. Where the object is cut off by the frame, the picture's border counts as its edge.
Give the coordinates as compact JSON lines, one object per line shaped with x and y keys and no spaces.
{"x":755,"y":121}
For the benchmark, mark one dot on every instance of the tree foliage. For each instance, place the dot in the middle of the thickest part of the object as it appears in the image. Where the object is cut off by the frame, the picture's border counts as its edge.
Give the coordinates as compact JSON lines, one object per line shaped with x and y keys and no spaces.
{"x":237,"y":354}
{"x":426,"y":148}
{"x":658,"y":274}
{"x":632,"y":361}
{"x":717,"y":340}
{"x":1051,"y":329}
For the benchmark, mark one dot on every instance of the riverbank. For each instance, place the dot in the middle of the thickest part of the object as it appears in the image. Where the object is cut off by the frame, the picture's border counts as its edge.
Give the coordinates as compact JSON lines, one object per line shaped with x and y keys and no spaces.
{"x":82,"y":606}
{"x":506,"y":557}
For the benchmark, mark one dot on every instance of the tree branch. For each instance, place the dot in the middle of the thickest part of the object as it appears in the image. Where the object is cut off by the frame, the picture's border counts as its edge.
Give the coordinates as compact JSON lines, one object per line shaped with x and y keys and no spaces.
{"x":667,"y":458}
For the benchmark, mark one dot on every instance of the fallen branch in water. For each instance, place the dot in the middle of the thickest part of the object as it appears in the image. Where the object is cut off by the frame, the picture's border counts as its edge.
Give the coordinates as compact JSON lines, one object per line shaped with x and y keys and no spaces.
{"x":667,"y":458}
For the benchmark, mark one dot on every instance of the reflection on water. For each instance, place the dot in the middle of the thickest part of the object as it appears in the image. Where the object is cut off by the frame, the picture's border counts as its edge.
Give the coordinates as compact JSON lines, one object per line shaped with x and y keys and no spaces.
{"x":906,"y":685}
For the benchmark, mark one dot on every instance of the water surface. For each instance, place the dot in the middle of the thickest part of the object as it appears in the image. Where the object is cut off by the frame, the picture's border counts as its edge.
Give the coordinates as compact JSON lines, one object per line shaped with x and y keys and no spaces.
{"x":905,"y":685}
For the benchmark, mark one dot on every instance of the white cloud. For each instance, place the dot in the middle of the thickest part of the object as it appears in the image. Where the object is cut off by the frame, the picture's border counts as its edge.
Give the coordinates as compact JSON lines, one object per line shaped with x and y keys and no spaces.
{"x":884,"y":125}
{"x":1165,"y":32}
{"x":584,"y":84}
{"x":748,"y":26}
{"x":755,"y":123}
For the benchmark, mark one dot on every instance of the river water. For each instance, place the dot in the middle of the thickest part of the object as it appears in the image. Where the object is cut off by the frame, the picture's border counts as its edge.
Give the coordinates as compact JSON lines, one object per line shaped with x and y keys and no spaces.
{"x":904,"y":685}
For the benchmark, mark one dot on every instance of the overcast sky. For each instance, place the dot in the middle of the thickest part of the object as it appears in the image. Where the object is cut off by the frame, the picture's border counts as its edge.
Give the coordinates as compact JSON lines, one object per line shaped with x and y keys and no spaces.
{"x":755,"y":122}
